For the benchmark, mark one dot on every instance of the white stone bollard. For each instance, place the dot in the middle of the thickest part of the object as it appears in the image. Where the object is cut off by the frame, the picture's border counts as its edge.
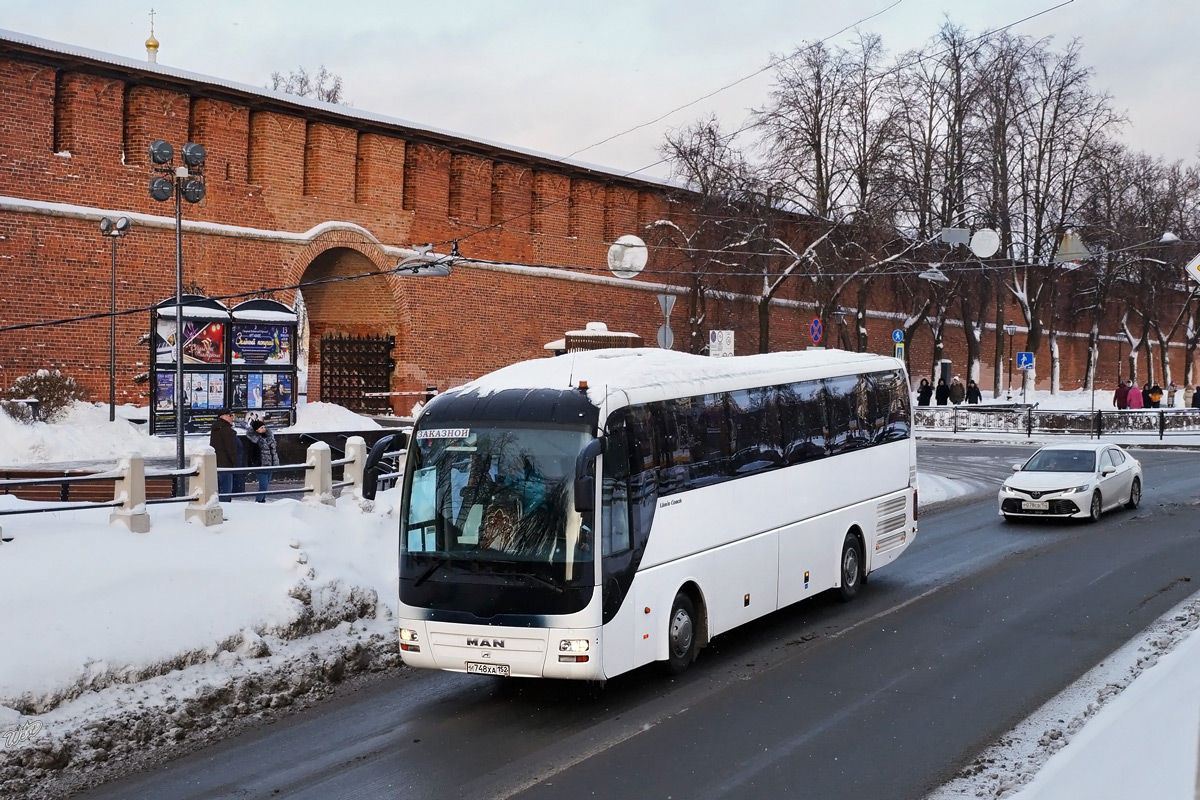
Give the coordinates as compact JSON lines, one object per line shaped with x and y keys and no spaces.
{"x":318,"y":478}
{"x":356,"y":451}
{"x":130,"y":489}
{"x":205,"y":506}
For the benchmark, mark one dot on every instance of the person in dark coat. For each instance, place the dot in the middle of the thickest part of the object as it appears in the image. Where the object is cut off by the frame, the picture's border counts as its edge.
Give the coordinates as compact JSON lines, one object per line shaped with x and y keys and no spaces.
{"x":958,"y":392}
{"x":943,"y":392}
{"x":223,"y":439}
{"x":1121,"y":396}
{"x":1155,"y":396}
{"x":974,"y":396}
{"x":263,"y":453}
{"x":924,"y":392}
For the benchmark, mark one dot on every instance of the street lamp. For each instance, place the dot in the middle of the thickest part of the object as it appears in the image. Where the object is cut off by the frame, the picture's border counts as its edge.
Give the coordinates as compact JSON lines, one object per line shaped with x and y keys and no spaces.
{"x":1011,"y":330}
{"x":186,"y":182}
{"x":113,"y":230}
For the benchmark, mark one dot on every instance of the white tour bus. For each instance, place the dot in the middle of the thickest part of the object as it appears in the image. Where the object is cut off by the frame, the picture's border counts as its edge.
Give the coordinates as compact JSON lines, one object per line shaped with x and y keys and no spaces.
{"x":580,"y":516}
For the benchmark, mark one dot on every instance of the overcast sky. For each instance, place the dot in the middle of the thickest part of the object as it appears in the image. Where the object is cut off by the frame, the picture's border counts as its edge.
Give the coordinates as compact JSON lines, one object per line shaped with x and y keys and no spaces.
{"x":557,"y":77}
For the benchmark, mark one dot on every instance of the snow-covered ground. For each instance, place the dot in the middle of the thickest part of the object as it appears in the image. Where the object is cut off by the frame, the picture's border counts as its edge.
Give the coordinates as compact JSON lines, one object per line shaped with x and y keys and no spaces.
{"x":118,"y":645}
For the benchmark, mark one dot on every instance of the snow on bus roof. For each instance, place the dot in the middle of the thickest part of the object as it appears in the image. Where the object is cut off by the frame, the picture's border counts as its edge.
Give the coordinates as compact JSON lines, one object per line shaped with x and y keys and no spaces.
{"x":624,"y":369}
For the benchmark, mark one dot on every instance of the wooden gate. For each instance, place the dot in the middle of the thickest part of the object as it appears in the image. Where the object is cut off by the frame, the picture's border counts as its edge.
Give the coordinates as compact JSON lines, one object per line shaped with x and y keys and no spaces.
{"x":352,"y":367}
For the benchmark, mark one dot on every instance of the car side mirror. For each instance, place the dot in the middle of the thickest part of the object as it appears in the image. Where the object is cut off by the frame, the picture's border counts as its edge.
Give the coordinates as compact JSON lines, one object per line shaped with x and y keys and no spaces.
{"x":1016,"y":467}
{"x":1109,"y":470}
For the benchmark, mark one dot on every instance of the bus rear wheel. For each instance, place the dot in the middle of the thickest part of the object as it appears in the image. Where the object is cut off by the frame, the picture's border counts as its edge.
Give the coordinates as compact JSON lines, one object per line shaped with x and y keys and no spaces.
{"x":851,"y":568}
{"x":681,"y":634}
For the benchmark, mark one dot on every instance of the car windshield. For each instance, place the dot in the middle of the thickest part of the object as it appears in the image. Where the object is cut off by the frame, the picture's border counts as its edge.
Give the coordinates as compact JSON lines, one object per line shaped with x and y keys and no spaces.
{"x":495,"y":494}
{"x":1062,"y":461}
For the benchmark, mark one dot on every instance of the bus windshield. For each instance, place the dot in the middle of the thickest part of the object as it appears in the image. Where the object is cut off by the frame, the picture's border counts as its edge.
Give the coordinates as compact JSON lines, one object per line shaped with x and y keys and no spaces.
{"x":496,"y":494}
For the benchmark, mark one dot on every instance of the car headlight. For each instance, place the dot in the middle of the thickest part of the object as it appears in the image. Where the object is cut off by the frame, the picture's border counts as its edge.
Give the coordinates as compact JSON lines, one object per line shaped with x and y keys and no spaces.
{"x":1078,"y":489}
{"x":573,"y":646}
{"x":1008,"y":489}
{"x":408,"y":635}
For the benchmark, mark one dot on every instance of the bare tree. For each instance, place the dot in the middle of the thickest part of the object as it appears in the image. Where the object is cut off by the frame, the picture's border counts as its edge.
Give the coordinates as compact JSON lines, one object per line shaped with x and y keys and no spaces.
{"x":719,"y":232}
{"x":324,"y":86}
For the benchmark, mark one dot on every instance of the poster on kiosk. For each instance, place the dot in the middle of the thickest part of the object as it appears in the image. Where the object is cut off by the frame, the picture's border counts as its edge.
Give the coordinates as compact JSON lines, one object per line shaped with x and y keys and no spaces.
{"x":262,"y":356}
{"x":205,"y":363}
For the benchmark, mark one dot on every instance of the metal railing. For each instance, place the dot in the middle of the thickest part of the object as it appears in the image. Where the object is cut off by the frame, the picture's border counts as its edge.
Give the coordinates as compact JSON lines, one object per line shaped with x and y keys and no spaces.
{"x":1031,"y":420}
{"x":203,"y":502}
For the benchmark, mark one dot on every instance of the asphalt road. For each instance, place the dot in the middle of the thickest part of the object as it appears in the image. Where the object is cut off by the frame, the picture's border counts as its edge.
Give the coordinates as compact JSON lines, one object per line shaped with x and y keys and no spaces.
{"x":887,"y":697}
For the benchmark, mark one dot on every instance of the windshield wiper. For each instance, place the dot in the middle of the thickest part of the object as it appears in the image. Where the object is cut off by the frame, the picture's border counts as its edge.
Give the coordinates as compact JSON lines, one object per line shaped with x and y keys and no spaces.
{"x":428,"y":573}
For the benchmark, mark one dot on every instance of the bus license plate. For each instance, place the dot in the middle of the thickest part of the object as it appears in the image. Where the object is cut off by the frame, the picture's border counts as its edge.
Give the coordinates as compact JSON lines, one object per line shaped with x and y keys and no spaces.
{"x":1035,"y":505}
{"x":487,"y":669}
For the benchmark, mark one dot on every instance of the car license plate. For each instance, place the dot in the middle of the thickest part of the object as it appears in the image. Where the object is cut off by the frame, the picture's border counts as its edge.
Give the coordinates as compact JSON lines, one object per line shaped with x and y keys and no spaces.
{"x":1035,"y":505}
{"x":477,"y":668}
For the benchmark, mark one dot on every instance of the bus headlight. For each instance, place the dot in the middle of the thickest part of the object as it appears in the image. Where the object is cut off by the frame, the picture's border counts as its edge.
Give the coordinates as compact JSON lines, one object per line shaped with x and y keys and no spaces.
{"x":408,"y":641}
{"x":574,"y":646}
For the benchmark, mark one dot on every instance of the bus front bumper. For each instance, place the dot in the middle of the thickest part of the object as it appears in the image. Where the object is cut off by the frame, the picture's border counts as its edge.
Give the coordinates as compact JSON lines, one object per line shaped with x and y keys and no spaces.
{"x":569,"y":653}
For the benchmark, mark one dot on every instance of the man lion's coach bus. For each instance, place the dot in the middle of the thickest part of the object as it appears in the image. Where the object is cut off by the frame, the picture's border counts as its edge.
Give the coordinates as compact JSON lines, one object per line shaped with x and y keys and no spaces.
{"x":580,"y":516}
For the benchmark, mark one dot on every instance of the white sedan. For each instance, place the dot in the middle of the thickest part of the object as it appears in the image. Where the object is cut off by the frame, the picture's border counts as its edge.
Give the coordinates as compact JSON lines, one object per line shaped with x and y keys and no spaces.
{"x":1080,"y":480}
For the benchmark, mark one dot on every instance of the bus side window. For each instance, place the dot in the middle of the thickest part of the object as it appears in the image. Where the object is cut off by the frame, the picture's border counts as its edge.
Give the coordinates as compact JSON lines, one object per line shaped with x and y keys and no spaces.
{"x":756,"y":441}
{"x":644,"y":471}
{"x":614,"y":515}
{"x":802,"y":419}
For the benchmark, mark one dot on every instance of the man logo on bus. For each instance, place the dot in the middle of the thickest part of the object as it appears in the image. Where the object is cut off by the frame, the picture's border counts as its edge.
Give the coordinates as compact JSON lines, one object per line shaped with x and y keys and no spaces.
{"x":485,"y":643}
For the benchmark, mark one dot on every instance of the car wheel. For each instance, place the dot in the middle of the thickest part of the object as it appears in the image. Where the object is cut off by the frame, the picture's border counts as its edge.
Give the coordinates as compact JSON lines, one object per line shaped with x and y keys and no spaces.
{"x":851,"y":568}
{"x":1135,"y":494}
{"x":681,"y":635}
{"x":1094,"y":513}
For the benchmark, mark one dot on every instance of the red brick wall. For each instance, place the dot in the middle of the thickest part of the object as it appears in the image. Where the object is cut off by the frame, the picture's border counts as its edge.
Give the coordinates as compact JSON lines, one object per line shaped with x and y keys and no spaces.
{"x":274,"y":174}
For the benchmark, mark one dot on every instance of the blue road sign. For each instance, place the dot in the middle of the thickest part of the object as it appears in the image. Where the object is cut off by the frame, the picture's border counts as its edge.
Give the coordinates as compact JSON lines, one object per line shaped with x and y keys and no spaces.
{"x":814,"y":330}
{"x":1025,"y":360}
{"x":897,"y":336}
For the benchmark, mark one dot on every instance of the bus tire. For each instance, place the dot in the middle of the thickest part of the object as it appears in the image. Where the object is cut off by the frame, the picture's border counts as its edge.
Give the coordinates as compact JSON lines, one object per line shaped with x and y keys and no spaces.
{"x":681,"y":634}
{"x":851,"y":568}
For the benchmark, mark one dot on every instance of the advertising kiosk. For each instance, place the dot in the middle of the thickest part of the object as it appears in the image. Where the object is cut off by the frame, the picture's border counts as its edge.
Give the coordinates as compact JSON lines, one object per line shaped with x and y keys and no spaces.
{"x":242,"y":359}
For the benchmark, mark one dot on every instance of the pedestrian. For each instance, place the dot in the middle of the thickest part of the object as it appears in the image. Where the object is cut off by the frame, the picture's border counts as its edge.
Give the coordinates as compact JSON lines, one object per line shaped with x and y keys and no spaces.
{"x":1121,"y":395}
{"x":1195,"y":400}
{"x":1134,"y":400}
{"x":958,"y":392}
{"x":263,"y":453}
{"x":1189,"y":392}
{"x":924,"y":392}
{"x":223,"y":439}
{"x":943,"y":392}
{"x":1171,"y":394}
{"x":974,"y":396}
{"x":1155,"y":395}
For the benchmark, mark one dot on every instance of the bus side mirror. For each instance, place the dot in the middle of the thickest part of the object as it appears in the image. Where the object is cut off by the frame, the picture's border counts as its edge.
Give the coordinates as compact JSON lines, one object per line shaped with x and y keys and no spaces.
{"x":585,"y":483}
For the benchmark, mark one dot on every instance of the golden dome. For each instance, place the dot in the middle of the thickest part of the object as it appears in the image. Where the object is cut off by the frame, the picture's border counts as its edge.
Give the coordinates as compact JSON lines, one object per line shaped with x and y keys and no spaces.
{"x":152,"y":43}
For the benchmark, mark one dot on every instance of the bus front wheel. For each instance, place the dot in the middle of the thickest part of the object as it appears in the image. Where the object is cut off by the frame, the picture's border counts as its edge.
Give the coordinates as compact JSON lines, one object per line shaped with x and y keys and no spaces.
{"x":681,"y":634}
{"x":851,"y":568}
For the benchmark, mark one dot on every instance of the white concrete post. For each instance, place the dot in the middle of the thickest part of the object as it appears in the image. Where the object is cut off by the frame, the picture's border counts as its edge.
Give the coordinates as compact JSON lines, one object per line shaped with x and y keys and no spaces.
{"x":356,"y":451}
{"x":130,"y":489}
{"x":205,"y":505}
{"x":318,"y":479}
